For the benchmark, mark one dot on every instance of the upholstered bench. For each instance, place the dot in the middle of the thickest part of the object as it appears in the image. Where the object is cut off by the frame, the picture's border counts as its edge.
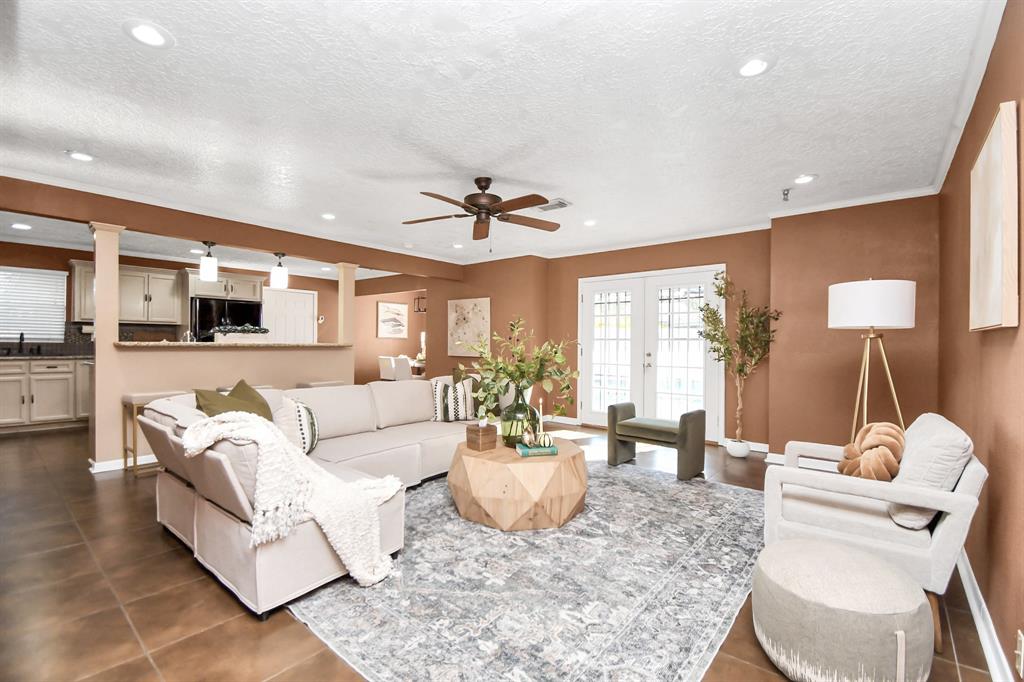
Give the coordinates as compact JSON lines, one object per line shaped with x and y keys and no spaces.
{"x":625,"y":429}
{"x":828,"y":612}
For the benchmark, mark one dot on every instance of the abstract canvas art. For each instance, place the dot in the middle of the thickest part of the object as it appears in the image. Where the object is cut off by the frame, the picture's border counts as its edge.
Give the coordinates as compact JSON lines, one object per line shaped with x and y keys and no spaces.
{"x":994,"y":209}
{"x":469,"y":321}
{"x":392,"y":320}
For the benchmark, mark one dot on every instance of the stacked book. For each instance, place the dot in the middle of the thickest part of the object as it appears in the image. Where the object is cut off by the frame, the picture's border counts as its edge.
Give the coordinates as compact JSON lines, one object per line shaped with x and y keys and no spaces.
{"x":536,"y":450}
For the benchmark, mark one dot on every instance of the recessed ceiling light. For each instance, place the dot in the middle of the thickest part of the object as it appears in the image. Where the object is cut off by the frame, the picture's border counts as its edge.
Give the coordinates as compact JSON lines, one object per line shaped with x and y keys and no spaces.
{"x":148,"y":33}
{"x":805,"y":178}
{"x":328,"y":216}
{"x":456,"y":246}
{"x":21,"y":226}
{"x":407,"y":245}
{"x":589,"y":223}
{"x":754,"y":67}
{"x":326,"y":268}
{"x":197,"y":251}
{"x":78,"y":156}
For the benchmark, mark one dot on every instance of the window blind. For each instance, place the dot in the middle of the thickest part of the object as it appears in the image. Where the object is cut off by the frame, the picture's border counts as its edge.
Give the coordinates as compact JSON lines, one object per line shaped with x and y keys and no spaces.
{"x":34,"y":302}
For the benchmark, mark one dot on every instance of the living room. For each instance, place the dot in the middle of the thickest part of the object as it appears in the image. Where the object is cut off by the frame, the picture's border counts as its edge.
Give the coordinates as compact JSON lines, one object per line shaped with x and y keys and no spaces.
{"x":585,"y":434}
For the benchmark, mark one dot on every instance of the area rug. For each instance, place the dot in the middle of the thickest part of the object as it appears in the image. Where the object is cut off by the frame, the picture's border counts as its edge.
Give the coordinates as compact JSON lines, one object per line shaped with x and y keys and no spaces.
{"x":643,"y":585}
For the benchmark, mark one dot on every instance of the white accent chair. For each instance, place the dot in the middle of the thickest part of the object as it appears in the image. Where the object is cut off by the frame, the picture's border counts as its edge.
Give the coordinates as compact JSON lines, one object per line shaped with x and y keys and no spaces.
{"x":403,"y":369}
{"x":387,"y":367}
{"x":805,"y":503}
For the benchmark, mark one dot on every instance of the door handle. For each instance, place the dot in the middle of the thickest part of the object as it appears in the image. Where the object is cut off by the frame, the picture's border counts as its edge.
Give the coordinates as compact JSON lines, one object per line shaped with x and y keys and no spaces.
{"x":33,"y":398}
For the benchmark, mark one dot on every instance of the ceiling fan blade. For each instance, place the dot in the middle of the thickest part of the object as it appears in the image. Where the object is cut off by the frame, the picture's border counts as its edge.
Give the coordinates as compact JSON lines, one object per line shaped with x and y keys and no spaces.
{"x":440,"y":217}
{"x":529,"y":222}
{"x":454,"y":202}
{"x":526,"y":201}
{"x":481,"y":228}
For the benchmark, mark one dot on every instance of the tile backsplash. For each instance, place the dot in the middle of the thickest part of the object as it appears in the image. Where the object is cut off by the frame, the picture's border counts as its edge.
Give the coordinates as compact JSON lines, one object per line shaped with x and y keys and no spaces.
{"x":78,"y":342}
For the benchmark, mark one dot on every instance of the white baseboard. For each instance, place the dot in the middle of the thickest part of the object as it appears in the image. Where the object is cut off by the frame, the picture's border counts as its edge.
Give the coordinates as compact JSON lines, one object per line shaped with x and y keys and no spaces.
{"x":116,"y":464}
{"x":998,"y":666}
{"x":571,"y":421}
{"x":804,"y":462}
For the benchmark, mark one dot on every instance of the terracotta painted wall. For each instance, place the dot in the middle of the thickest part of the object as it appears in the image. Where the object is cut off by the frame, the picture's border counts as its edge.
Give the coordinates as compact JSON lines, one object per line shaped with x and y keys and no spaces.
{"x":517,"y":287}
{"x":746,"y":256}
{"x":981,"y":374}
{"x":814,"y":369}
{"x":51,"y":258}
{"x":368,"y":347}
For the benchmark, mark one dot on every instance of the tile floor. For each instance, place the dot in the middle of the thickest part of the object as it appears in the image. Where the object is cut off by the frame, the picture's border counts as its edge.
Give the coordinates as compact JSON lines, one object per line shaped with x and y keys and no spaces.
{"x":91,"y":588}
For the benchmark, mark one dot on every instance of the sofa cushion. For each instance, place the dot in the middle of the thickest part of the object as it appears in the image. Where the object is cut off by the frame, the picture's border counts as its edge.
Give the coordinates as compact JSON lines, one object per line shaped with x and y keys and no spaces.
{"x":340,"y":410}
{"x":847,"y":513}
{"x":661,"y":430}
{"x":392,"y":438}
{"x":451,"y":401}
{"x":935,"y":455}
{"x":402,"y":402}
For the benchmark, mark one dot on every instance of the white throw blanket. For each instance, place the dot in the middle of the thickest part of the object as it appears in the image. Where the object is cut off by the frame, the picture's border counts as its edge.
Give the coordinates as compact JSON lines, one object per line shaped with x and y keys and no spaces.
{"x":291,"y":488}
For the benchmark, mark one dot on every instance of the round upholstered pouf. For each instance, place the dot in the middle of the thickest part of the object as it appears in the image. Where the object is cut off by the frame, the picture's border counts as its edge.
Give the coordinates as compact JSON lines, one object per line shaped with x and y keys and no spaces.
{"x":825,"y":611}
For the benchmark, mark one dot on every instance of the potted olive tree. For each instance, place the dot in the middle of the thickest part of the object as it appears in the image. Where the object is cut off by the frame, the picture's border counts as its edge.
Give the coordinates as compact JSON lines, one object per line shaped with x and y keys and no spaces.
{"x":744,"y":351}
{"x":517,"y":363}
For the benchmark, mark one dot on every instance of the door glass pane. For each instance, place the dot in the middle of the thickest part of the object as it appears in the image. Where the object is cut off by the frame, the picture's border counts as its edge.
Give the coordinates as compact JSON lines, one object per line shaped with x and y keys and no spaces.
{"x":610,"y":371}
{"x":679,"y":385}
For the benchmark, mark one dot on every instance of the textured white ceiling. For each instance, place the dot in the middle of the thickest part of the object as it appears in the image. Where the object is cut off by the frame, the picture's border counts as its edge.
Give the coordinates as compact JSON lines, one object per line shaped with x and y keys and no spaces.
{"x":69,"y":235}
{"x":275,"y":111}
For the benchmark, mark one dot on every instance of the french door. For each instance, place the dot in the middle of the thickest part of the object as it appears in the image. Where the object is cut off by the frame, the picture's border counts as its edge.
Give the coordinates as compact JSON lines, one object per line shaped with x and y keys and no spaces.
{"x":639,"y":343}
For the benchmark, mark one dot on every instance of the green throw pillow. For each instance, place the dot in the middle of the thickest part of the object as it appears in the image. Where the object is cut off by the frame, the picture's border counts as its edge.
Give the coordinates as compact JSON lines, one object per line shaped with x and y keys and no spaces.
{"x":242,"y":398}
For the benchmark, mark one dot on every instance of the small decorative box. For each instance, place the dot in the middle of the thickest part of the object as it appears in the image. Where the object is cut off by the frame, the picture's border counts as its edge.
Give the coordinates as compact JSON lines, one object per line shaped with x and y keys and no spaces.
{"x":481,"y":438}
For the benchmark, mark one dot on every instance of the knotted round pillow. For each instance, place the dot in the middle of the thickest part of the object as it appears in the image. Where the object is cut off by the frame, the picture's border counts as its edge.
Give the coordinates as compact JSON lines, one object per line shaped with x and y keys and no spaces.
{"x":875,"y":453}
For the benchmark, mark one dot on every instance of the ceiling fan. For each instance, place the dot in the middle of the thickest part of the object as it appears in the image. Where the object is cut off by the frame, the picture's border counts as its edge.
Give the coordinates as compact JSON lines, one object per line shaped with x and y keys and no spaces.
{"x":483,"y":206}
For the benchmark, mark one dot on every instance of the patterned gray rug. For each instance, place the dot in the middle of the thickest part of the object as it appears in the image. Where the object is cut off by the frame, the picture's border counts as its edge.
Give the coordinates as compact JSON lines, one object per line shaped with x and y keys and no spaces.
{"x":643,"y":585}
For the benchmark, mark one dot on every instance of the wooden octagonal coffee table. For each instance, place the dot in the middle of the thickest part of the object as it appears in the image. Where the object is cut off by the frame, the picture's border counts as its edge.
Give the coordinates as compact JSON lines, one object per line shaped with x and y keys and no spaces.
{"x":498,"y":488}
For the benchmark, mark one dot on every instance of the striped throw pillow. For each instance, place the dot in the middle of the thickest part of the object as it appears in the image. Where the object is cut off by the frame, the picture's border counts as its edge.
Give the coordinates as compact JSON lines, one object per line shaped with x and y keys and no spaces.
{"x":452,"y":402}
{"x":309,"y":430}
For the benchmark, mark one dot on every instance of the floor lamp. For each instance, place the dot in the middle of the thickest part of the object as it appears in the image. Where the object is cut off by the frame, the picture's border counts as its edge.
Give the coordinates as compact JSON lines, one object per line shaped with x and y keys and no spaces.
{"x":872,"y":304}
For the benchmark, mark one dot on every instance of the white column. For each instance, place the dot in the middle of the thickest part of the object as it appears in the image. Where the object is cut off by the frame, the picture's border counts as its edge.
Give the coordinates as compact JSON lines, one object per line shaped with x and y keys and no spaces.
{"x":106,"y":431}
{"x":346,"y":302}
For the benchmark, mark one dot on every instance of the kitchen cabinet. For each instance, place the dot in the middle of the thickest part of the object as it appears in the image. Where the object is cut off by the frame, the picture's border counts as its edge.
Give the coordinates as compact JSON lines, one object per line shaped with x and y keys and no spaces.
{"x":52,"y":397}
{"x":146,"y":295}
{"x":132,"y":292}
{"x":229,"y":285}
{"x":13,"y":404}
{"x":43,"y":391}
{"x":83,"y":389}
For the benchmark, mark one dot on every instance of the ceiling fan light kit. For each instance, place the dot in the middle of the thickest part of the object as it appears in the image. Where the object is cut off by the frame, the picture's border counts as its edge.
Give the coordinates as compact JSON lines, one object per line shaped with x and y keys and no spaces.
{"x":482,"y":206}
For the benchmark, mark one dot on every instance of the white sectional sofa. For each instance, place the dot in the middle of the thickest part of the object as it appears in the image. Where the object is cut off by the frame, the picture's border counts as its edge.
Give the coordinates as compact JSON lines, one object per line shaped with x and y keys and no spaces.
{"x":365,"y":431}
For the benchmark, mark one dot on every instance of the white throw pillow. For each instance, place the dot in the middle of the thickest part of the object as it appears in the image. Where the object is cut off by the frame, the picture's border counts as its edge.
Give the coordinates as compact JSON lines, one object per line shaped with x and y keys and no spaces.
{"x":452,"y":402}
{"x":936,"y":453}
{"x":298,"y":423}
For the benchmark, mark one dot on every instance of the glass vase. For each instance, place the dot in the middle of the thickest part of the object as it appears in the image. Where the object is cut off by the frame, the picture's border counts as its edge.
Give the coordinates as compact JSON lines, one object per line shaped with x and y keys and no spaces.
{"x":516,"y":417}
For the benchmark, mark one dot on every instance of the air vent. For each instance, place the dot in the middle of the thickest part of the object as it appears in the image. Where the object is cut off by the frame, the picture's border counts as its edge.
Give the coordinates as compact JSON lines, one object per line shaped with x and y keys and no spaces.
{"x":555,"y":204}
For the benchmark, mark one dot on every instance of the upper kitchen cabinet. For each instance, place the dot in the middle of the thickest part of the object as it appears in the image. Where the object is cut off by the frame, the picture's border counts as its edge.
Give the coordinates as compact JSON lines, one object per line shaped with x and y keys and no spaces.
{"x":147,"y":295}
{"x":229,"y":285}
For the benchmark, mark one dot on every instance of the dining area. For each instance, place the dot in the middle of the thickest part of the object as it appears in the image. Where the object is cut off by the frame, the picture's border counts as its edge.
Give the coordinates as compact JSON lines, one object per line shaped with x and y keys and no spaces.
{"x":401,"y":368}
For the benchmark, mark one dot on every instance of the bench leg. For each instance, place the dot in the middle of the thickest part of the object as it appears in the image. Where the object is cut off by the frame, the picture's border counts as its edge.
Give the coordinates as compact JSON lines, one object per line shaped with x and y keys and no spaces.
{"x":620,"y":451}
{"x":688,"y":464}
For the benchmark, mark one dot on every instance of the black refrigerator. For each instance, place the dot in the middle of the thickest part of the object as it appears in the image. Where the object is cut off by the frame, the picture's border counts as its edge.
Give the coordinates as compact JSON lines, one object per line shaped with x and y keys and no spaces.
{"x":207,"y":313}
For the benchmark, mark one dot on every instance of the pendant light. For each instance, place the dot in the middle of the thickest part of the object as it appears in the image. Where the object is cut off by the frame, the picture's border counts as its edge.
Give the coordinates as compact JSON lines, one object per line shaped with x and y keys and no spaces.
{"x":279,"y":273}
{"x":208,"y":264}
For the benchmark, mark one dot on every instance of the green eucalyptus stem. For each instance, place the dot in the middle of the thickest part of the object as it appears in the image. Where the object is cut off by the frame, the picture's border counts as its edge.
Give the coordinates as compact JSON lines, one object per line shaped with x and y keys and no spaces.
{"x":519,"y":361}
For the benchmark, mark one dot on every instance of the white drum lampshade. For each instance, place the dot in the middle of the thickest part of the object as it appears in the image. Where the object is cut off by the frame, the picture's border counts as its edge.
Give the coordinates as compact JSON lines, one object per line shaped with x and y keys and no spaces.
{"x":208,"y":264}
{"x":872,"y":303}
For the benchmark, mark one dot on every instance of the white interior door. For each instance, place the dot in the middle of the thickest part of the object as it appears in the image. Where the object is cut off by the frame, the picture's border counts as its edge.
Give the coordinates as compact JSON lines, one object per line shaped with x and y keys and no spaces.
{"x":290,"y":315}
{"x":611,"y":346}
{"x":639,"y":343}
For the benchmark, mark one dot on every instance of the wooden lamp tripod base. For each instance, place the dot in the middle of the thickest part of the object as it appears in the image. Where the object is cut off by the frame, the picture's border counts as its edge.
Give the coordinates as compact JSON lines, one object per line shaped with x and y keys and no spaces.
{"x":862,"y":383}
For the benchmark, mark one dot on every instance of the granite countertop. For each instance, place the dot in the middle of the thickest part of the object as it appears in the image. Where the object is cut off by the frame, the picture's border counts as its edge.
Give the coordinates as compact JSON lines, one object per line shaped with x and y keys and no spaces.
{"x":25,"y":356}
{"x":180,"y":345}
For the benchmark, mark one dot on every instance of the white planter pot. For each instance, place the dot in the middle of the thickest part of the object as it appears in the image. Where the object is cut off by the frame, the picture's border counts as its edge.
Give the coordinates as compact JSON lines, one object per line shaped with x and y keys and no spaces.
{"x":737,"y":448}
